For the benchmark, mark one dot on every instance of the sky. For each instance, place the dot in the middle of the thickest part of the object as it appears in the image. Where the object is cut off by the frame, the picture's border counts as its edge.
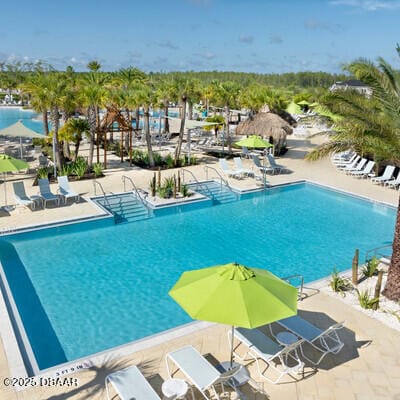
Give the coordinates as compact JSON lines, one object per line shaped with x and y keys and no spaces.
{"x":262,"y":36}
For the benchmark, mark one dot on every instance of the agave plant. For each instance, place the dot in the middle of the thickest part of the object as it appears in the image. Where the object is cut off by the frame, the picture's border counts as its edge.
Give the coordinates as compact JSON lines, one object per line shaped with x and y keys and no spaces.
{"x":366,"y":300}
{"x":371,"y":267}
{"x":339,"y":284}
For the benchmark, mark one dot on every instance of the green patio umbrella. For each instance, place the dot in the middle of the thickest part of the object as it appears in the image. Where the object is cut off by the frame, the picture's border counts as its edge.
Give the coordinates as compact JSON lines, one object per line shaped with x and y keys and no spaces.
{"x":235,"y":295}
{"x":303,"y":103}
{"x":8,"y":164}
{"x":253,"y":142}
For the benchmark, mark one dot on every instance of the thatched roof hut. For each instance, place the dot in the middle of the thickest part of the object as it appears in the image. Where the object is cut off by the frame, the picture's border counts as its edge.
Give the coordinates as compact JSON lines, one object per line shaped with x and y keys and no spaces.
{"x":267,"y":125}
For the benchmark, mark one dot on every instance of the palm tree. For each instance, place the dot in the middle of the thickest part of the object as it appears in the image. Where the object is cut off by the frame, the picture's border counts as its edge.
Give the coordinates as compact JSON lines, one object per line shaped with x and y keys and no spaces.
{"x":226,"y":94}
{"x":145,"y":96}
{"x":166,"y":92}
{"x":73,"y":131}
{"x":373,"y":126}
{"x":93,"y":95}
{"x":35,"y":88}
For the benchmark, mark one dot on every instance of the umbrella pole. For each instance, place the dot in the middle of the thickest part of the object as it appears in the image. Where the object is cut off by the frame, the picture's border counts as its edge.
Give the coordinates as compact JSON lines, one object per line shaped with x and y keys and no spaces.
{"x":232,"y":337}
{"x":20,"y":146}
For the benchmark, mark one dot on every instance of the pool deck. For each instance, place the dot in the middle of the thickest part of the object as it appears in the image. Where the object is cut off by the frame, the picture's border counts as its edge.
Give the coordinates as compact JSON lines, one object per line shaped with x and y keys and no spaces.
{"x":366,"y":368}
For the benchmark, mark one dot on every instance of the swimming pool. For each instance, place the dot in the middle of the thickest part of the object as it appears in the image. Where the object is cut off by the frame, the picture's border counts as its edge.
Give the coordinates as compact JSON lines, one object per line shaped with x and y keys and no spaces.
{"x":81,"y":288}
{"x":10,"y":115}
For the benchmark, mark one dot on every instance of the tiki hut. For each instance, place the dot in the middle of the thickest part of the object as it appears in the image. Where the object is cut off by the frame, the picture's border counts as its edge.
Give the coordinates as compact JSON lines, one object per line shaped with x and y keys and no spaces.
{"x":268,"y":125}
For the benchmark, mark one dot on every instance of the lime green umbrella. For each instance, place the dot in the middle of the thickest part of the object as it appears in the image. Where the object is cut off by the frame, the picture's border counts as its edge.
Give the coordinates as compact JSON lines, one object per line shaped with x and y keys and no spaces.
{"x":303,"y":103}
{"x":293,"y":108}
{"x":253,"y":142}
{"x":236,"y":295}
{"x":8,"y":164}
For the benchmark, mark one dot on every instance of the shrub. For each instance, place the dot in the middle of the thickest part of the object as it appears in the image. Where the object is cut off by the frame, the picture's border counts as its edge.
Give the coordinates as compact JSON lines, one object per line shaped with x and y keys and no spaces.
{"x":185,"y":190}
{"x":169,"y":160}
{"x":43,"y":173}
{"x":66,"y":170}
{"x":371,"y":267}
{"x":339,"y":284}
{"x":158,"y":159}
{"x":366,"y":301}
{"x":79,"y":167}
{"x":97,"y":169}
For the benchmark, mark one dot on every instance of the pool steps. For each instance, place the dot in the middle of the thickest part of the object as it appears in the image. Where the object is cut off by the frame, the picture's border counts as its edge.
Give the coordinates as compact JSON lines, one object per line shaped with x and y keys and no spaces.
{"x":125,"y":208}
{"x":218,"y":193}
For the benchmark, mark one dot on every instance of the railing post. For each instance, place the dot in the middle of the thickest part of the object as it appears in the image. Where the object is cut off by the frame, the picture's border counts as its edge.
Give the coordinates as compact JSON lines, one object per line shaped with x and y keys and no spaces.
{"x":378,"y":289}
{"x":354,"y":268}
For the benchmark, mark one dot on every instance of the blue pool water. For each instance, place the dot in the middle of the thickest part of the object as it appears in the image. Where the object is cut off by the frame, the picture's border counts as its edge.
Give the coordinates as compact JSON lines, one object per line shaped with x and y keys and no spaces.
{"x":10,"y":115}
{"x":82,"y":289}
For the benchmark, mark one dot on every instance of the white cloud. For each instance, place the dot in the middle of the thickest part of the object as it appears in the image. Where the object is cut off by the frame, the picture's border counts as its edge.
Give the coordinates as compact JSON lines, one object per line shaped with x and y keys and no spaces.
{"x":369,"y":5}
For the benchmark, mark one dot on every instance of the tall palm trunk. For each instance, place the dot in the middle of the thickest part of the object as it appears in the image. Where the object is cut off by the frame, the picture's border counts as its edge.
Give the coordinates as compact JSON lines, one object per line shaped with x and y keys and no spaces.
{"x":45,"y":122}
{"x":148,"y":136}
{"x":392,"y":288}
{"x":55,"y":121}
{"x":166,"y":121}
{"x":92,"y":119}
{"x":190,"y":110}
{"x":228,"y":135}
{"x":181,"y":132}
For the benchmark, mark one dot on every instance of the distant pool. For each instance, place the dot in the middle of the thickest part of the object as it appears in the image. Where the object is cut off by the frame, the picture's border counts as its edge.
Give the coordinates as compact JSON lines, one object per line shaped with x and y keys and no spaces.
{"x":81,"y":288}
{"x":10,"y":115}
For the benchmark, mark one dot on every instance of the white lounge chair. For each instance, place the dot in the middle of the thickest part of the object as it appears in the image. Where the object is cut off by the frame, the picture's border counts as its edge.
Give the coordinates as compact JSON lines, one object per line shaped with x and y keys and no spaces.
{"x":275,"y":167}
{"x":240,"y":167}
{"x":230,"y":172}
{"x":261,"y":348}
{"x":65,"y":190}
{"x":325,"y":341}
{"x":262,"y":168}
{"x":198,"y":370}
{"x":394,"y":182}
{"x":344,"y":159}
{"x":386,"y":176}
{"x":45,"y":192}
{"x":350,"y":165}
{"x":130,"y":384}
{"x":21,"y":197}
{"x":357,"y":167}
{"x":365,"y":172}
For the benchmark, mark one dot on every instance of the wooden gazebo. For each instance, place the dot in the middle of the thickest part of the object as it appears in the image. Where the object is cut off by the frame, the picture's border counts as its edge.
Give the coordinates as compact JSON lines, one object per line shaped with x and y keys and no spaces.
{"x":115,"y":121}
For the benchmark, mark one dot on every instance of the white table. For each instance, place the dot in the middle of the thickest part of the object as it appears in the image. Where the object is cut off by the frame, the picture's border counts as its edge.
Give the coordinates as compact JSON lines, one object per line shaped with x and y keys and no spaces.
{"x":175,"y":389}
{"x":241,"y":377}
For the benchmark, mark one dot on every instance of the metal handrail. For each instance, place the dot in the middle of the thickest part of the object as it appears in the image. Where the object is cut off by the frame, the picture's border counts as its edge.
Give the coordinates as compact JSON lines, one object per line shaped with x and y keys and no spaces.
{"x":299,"y":276}
{"x":376,"y":251}
{"x":207,"y":167}
{"x":196,"y":180}
{"x":95,"y":182}
{"x":135,"y":189}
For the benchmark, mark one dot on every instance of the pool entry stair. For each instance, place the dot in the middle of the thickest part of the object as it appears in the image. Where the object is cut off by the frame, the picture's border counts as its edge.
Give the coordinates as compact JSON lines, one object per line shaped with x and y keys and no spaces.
{"x":125,"y":207}
{"x":219,"y":194}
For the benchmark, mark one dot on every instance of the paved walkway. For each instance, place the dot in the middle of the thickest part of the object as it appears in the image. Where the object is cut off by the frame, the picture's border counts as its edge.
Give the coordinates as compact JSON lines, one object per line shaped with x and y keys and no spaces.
{"x":367,"y":368}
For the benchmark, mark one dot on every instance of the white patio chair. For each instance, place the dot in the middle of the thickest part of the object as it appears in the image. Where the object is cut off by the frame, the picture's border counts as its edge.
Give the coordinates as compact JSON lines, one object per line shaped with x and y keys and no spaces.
{"x":261,"y":168}
{"x":358,"y":167}
{"x":275,"y":167}
{"x":229,"y":172}
{"x":45,"y":192}
{"x":365,"y":172}
{"x":198,"y":370}
{"x":240,"y":167}
{"x":64,"y":189}
{"x":347,"y":165}
{"x":21,"y":197}
{"x":325,"y":341}
{"x":130,"y":384}
{"x":386,"y":176}
{"x":393,"y":182}
{"x":263,"y":349}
